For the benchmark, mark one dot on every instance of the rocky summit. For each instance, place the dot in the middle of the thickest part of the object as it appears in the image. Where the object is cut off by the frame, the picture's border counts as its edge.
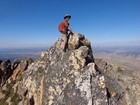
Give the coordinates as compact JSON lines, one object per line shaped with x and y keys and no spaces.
{"x":73,"y":77}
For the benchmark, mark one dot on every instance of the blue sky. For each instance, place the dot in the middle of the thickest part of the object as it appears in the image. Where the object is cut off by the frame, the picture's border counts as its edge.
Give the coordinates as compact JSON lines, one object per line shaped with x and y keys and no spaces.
{"x":33,"y":23}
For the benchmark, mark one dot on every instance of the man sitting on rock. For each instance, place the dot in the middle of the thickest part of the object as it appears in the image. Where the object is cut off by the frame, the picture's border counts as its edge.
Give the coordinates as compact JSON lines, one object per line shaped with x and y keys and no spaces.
{"x":64,"y":28}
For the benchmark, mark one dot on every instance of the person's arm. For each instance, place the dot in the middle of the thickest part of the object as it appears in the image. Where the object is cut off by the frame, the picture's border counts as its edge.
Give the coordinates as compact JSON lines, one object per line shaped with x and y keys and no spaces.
{"x":68,"y":27}
{"x":70,"y":30}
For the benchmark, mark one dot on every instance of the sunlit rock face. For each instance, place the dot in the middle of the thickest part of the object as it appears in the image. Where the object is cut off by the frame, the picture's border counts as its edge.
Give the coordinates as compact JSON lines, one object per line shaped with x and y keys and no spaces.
{"x":73,"y":77}
{"x":65,"y":78}
{"x":122,"y":83}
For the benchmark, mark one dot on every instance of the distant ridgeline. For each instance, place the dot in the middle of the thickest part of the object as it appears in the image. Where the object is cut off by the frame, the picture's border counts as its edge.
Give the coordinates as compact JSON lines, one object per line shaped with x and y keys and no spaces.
{"x":125,"y":51}
{"x":19,"y":53}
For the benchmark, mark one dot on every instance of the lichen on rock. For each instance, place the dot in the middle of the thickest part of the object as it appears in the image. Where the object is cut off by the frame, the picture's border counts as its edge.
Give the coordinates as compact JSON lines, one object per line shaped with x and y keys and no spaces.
{"x":65,"y":78}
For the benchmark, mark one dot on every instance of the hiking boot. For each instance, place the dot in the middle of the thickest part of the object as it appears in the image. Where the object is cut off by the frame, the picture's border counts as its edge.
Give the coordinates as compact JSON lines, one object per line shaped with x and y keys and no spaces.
{"x":67,"y":49}
{"x":64,"y":50}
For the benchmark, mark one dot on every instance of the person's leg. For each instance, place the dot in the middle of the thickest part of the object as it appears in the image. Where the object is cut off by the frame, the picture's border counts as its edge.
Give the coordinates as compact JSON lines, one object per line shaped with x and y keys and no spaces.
{"x":64,"y":38}
{"x":64,"y":46}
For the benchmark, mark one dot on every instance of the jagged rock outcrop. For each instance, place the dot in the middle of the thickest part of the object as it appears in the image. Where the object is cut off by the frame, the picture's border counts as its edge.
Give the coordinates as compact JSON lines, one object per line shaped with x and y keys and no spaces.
{"x":9,"y":85}
{"x":77,"y":40}
{"x":69,"y":78}
{"x":73,"y":77}
{"x":122,"y":83}
{"x":5,"y":71}
{"x":19,"y":66}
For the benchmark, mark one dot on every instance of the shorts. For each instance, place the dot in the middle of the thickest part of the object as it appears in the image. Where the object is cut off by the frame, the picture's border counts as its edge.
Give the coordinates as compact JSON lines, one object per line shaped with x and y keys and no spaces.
{"x":64,"y":37}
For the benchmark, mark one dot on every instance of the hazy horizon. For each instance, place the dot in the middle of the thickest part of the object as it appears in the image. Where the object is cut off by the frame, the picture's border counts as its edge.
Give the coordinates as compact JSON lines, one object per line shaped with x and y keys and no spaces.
{"x":92,"y":44}
{"x":126,"y":56}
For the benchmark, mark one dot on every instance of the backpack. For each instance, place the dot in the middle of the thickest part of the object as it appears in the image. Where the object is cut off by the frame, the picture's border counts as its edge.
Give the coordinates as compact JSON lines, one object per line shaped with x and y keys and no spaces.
{"x":61,"y":27}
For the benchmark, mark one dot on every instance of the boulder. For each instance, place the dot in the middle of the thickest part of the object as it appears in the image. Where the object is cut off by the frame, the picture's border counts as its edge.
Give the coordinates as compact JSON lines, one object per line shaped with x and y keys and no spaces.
{"x":76,"y":40}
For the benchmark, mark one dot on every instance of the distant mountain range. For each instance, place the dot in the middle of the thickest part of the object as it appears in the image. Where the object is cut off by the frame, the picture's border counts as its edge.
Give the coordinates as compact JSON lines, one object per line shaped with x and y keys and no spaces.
{"x":131,"y":52}
{"x":17,"y":53}
{"x":125,"y":56}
